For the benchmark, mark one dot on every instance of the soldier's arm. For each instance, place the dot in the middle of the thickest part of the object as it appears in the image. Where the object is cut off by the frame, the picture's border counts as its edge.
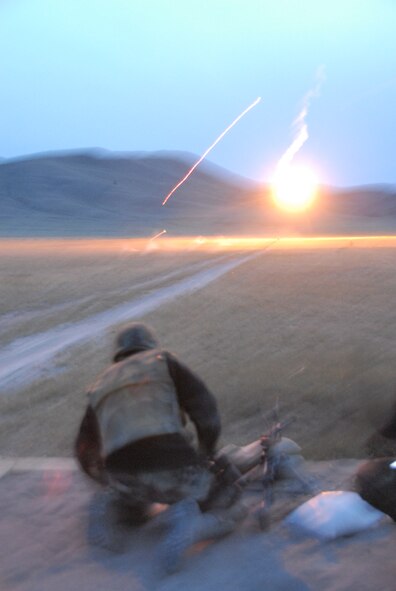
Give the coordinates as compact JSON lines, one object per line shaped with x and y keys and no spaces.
{"x":87,"y":447}
{"x":198,"y":402}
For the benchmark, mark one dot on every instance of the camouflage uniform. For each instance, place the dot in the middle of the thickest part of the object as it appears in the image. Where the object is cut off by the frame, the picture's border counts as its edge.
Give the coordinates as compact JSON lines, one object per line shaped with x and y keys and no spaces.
{"x":133,"y":438}
{"x":136,"y":418}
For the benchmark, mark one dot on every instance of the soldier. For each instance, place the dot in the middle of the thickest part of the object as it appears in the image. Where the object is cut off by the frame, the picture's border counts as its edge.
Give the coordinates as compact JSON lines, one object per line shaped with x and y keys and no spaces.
{"x":134,"y":440}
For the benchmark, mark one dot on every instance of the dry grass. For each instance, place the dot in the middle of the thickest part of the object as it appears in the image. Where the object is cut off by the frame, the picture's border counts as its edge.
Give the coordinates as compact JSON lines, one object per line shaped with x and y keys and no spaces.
{"x":45,"y":283}
{"x":312,"y":329}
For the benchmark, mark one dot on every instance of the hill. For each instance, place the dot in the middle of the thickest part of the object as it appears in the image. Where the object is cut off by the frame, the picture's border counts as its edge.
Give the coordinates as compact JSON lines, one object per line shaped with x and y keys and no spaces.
{"x":95,"y":193}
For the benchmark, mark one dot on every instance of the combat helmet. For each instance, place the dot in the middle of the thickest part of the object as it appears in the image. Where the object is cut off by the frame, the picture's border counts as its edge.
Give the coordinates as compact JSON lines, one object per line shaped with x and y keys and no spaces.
{"x":134,"y":337}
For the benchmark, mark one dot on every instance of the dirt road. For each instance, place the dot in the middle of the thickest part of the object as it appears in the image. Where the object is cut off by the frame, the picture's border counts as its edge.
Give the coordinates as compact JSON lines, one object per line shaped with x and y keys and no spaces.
{"x":23,"y":358}
{"x":311,"y":326}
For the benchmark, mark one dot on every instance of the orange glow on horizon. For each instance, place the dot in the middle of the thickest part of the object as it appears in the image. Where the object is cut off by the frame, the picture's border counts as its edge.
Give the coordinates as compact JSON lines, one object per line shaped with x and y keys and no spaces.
{"x":141,"y":246}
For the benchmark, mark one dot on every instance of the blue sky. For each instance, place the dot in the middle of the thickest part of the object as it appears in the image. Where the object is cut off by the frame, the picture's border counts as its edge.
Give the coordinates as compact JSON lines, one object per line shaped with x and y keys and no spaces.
{"x":148,"y":75}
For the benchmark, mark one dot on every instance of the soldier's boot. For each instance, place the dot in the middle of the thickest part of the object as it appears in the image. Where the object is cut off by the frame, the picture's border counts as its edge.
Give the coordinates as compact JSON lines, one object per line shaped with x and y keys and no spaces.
{"x":133,"y":514}
{"x":218,"y":523}
{"x":191,"y":526}
{"x":103,"y":523}
{"x":179,"y":519}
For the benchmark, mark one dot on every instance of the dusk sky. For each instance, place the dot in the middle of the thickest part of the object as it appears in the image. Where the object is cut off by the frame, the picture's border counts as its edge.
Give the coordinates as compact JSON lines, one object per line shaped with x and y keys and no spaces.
{"x":149,"y":75}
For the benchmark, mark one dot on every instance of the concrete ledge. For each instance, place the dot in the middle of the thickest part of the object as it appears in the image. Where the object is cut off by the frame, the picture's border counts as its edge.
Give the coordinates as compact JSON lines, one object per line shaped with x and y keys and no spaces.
{"x":8,"y":465}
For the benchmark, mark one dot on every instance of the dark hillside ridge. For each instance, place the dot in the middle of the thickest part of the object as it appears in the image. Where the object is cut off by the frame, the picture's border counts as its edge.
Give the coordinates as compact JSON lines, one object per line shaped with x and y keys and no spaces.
{"x":106,"y":194}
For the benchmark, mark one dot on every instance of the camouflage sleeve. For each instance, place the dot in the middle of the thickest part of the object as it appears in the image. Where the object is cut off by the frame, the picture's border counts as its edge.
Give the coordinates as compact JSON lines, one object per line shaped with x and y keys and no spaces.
{"x":198,"y":402}
{"x":87,"y":447}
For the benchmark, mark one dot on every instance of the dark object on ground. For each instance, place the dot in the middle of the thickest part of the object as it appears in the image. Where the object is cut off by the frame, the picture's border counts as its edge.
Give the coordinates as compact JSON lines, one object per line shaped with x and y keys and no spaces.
{"x":378,"y":446}
{"x":376,"y":483}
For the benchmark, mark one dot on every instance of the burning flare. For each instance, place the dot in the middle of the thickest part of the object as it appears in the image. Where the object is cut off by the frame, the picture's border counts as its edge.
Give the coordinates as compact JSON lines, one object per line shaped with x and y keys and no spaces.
{"x":294,"y":186}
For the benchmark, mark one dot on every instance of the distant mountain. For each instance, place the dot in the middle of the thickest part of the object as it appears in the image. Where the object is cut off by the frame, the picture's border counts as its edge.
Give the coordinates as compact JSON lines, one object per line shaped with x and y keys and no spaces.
{"x":370,"y":201}
{"x":98,"y":193}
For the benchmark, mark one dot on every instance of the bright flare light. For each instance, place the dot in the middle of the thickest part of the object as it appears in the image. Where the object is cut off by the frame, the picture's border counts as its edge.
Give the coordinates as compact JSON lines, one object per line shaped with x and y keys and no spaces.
{"x":294,"y":187}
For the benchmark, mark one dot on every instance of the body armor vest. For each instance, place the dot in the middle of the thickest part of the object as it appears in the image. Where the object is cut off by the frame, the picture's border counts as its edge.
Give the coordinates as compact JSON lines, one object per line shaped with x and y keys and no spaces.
{"x":134,"y":399}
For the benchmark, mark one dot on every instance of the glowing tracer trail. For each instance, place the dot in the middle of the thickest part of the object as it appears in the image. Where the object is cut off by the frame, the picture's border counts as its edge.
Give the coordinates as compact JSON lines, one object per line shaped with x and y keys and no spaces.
{"x":211,"y":148}
{"x":158,"y":235}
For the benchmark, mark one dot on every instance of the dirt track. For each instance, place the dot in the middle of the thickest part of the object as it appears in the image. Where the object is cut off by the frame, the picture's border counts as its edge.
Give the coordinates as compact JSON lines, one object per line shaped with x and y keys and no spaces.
{"x":313,"y":329}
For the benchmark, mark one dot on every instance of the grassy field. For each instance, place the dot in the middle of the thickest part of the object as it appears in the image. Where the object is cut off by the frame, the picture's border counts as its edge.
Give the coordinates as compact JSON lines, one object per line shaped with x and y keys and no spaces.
{"x":310,"y":326}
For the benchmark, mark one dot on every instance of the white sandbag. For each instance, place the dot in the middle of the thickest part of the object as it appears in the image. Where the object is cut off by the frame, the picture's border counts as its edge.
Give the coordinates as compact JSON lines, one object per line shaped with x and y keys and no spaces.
{"x":291,"y":467}
{"x":330,"y":515}
{"x":285,"y":446}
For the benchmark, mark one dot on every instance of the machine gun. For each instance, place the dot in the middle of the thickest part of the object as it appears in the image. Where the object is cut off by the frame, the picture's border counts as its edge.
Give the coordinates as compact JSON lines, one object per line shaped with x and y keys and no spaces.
{"x":264,"y":459}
